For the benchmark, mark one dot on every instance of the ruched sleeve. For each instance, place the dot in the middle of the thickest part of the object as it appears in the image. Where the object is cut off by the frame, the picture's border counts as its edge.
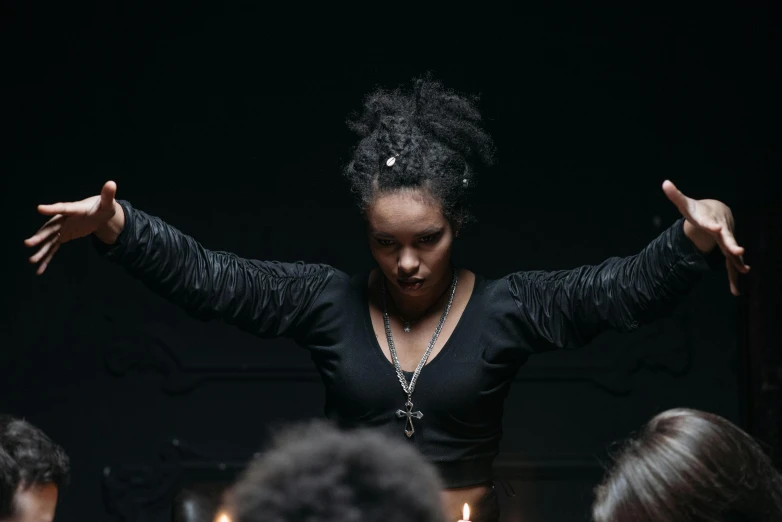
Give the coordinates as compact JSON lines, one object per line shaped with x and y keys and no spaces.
{"x":266,"y":298}
{"x":568,"y":308}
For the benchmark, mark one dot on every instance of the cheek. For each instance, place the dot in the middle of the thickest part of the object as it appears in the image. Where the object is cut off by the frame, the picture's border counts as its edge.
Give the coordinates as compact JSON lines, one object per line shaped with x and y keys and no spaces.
{"x":438,"y":258}
{"x":382,"y":256}
{"x":37,"y":504}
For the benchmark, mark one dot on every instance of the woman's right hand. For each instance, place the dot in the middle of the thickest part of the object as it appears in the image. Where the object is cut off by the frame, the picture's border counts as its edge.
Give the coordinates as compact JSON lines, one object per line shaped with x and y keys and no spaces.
{"x":101,"y":215}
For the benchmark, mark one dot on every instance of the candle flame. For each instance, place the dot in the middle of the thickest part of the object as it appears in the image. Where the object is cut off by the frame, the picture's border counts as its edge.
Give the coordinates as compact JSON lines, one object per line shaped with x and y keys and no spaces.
{"x":466,"y":512}
{"x":222,"y":517}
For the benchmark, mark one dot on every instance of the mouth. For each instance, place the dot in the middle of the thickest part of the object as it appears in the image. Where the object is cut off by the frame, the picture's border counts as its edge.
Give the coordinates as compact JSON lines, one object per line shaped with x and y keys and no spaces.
{"x":410,"y":284}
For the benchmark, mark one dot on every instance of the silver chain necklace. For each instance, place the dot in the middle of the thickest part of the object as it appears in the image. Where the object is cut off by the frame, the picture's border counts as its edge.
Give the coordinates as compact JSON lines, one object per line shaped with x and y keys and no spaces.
{"x":408,"y":325}
{"x":408,"y":388}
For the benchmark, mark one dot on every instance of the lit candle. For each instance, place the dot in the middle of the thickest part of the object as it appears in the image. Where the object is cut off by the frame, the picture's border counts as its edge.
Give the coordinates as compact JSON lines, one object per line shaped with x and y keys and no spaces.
{"x":465,"y":514}
{"x":222,"y":517}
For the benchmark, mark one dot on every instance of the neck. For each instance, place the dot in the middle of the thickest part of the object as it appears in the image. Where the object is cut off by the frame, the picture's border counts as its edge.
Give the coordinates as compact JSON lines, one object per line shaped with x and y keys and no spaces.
{"x":412,"y":308}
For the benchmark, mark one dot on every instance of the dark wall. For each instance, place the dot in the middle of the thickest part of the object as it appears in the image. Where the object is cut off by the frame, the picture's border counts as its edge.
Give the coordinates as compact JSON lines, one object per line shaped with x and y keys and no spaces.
{"x":231,"y":127}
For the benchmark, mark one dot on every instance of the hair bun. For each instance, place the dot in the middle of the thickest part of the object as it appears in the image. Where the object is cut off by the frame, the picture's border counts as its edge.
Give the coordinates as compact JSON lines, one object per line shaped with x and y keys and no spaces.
{"x":424,"y":136}
{"x":442,"y":114}
{"x":452,"y":119}
{"x":382,"y":108}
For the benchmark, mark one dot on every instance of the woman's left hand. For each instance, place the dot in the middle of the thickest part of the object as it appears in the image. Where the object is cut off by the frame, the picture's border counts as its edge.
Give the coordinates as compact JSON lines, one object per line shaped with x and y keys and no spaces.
{"x":708,"y":223}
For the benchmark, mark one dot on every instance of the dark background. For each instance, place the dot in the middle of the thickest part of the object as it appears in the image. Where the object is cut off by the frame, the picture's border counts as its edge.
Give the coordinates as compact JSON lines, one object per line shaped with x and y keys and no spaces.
{"x":228,"y":122}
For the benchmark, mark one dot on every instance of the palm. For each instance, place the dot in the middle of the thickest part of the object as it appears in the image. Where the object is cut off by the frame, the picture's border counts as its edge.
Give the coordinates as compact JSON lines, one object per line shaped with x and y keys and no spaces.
{"x":70,"y":221}
{"x":714,"y":218}
{"x":83,"y":219}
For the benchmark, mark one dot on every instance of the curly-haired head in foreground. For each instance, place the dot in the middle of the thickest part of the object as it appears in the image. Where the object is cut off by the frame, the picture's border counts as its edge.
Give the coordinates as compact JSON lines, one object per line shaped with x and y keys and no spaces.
{"x":318,"y":473}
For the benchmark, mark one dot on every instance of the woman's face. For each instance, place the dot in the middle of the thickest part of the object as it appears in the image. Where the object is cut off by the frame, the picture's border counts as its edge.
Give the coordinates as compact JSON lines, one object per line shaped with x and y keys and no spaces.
{"x":410,"y":239}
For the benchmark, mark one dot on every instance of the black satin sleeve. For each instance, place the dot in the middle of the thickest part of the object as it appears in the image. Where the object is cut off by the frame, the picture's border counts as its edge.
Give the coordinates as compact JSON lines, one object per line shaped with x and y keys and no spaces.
{"x":266,"y":298}
{"x":569,"y":308}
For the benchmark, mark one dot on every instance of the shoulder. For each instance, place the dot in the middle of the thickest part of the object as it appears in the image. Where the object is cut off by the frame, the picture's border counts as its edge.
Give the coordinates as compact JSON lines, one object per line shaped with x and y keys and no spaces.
{"x":336,"y":286}
{"x":505,"y":286}
{"x":490,"y":295}
{"x":334,"y":302}
{"x":519,"y":291}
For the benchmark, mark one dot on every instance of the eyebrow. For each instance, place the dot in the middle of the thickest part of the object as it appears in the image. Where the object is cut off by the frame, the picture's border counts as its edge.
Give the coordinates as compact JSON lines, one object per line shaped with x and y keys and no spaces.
{"x":430,"y":231}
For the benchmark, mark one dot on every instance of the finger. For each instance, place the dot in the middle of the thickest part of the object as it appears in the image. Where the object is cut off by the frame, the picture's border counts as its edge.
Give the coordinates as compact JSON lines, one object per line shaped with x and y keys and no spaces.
{"x":711,"y":226}
{"x":737,"y":263}
{"x":52,"y":226}
{"x":732,"y":252}
{"x":47,"y":259}
{"x":56,"y":219}
{"x":59,"y":208}
{"x":733,"y":278}
{"x":746,"y":266}
{"x":729,"y":240}
{"x":45,"y":249}
{"x":107,"y":194}
{"x":682,"y":202}
{"x":734,"y":260}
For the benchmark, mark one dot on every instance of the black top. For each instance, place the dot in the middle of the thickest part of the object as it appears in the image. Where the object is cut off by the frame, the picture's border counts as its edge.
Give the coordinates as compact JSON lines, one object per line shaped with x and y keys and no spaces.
{"x":462,"y":389}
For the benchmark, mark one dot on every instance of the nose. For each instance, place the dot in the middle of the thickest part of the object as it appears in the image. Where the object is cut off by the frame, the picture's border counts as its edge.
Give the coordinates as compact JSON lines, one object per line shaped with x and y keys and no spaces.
{"x":408,"y":262}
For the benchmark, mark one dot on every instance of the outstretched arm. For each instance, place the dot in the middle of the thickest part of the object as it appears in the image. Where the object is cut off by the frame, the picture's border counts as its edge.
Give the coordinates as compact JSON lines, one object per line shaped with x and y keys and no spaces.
{"x":570,"y":307}
{"x":265,"y":298}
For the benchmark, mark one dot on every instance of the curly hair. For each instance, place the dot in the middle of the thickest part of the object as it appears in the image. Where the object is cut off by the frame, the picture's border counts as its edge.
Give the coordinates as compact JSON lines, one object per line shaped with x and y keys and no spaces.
{"x":27,"y":457}
{"x":436,"y":140}
{"x":690,"y":466}
{"x":317,"y":473}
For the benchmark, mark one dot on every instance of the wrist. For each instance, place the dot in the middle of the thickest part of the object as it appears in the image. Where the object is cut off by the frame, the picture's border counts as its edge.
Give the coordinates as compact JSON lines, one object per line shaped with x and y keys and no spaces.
{"x":109,"y":231}
{"x":702,"y":239}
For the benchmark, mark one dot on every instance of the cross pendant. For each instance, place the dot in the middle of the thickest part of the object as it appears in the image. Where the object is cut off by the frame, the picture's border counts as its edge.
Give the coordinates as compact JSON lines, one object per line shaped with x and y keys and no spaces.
{"x":410,"y":414}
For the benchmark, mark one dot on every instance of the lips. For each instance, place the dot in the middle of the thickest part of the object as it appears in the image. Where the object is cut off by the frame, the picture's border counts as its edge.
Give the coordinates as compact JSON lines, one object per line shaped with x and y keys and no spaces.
{"x":410,"y":284}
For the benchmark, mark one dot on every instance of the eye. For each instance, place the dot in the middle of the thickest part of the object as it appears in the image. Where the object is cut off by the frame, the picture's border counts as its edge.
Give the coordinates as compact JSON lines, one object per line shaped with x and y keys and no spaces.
{"x":385,"y":242}
{"x":429,"y":239}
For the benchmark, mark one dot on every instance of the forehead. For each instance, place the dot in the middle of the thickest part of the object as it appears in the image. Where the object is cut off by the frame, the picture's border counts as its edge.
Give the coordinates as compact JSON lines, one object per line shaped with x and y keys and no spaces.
{"x":36,"y":503}
{"x":404,"y":209}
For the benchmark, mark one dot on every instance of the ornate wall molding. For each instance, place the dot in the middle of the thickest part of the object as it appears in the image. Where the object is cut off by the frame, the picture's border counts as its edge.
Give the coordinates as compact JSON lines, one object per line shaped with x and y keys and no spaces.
{"x":159,"y":348}
{"x":131,"y":492}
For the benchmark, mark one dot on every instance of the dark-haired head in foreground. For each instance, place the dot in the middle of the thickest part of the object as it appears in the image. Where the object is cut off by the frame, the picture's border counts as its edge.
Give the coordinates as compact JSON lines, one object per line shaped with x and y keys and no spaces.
{"x":32,"y":471}
{"x":690,"y":466}
{"x":318,"y":473}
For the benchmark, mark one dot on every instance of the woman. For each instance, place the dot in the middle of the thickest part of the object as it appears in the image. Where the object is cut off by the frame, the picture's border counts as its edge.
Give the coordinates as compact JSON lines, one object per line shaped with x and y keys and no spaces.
{"x":371,"y":335}
{"x":690,"y":466}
